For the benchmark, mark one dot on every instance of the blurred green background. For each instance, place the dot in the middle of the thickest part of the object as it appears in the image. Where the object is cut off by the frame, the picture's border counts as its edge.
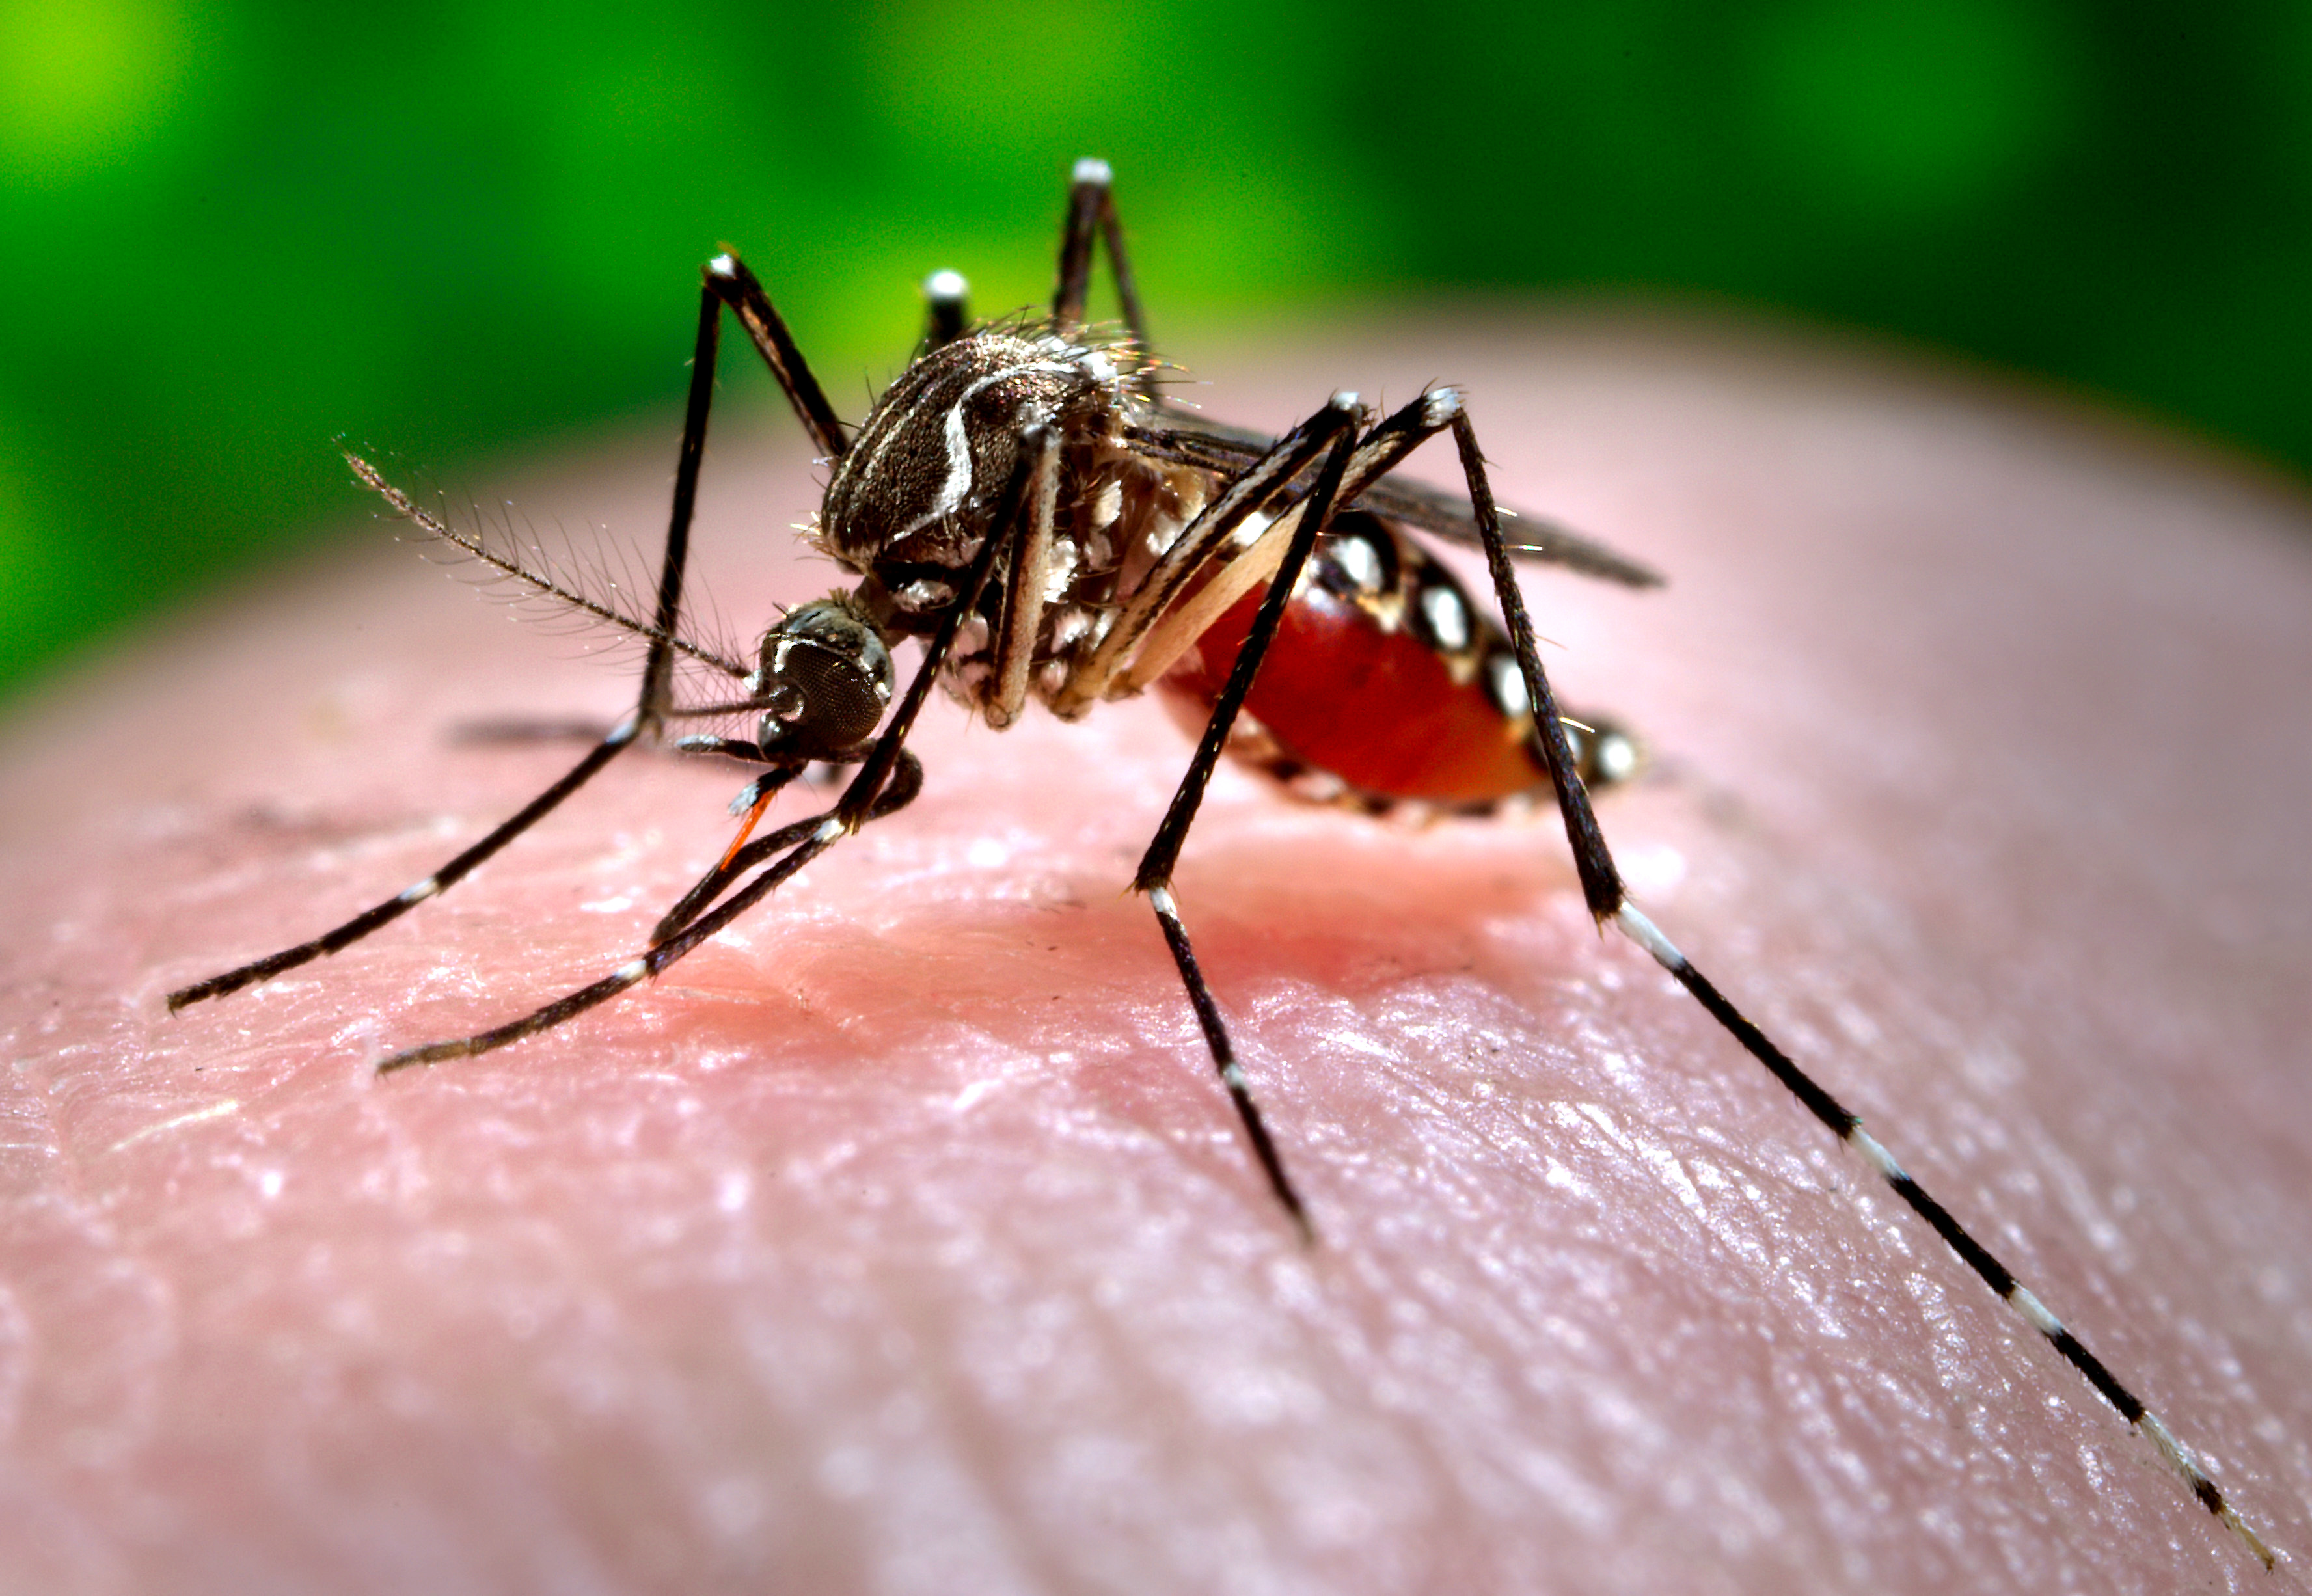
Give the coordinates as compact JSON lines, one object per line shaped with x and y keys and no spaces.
{"x":231,"y":232}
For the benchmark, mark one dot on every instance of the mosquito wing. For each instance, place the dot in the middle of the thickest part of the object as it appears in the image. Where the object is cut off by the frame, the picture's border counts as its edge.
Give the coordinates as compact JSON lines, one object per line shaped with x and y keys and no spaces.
{"x":1193,"y":439}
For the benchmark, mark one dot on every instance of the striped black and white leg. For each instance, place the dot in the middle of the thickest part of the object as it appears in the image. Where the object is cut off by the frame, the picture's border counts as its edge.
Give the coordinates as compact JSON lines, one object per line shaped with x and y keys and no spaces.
{"x":887,"y":780}
{"x":906,"y":784}
{"x":620,"y":737}
{"x":1608,"y":901}
{"x":1337,"y":422}
{"x":725,"y":281}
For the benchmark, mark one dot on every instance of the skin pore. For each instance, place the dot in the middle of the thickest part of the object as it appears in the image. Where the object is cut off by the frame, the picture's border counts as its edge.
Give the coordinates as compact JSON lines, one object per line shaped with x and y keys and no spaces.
{"x":901,"y":1240}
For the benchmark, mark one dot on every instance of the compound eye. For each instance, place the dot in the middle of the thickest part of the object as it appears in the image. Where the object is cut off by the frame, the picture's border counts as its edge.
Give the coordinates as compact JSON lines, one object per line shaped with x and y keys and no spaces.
{"x":826,"y":679}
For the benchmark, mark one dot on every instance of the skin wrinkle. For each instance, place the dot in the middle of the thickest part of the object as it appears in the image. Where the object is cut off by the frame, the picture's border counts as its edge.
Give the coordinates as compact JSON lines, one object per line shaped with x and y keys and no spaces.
{"x":901,"y":1240}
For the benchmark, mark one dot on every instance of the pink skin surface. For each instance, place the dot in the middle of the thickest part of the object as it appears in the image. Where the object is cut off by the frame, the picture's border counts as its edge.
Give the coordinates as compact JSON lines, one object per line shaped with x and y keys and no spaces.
{"x":901,"y":1240}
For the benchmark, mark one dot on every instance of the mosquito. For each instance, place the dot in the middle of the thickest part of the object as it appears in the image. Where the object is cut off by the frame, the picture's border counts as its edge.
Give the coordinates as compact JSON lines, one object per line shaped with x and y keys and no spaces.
{"x":1025,"y":502}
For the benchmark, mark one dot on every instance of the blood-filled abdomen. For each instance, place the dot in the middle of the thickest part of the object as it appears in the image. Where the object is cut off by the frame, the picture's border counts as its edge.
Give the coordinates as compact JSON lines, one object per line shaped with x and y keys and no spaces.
{"x":1383,"y":676}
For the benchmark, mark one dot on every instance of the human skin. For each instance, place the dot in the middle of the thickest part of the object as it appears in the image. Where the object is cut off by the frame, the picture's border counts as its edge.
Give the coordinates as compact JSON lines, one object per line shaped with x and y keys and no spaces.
{"x":901,"y":1239}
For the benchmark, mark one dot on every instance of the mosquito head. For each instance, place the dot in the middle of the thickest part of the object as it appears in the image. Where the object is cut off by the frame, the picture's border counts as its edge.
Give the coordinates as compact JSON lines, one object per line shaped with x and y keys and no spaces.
{"x":825,"y":680}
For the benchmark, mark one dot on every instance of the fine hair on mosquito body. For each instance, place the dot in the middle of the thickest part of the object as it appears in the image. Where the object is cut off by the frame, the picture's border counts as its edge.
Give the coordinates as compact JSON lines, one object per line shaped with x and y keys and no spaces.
{"x":1026,"y":505}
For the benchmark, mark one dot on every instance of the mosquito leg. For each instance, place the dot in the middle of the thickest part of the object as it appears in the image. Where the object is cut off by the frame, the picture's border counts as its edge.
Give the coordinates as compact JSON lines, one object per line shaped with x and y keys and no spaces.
{"x":1192,"y":438}
{"x":1608,"y":901}
{"x":1605,"y":753}
{"x":1088,"y":201}
{"x":906,"y":784}
{"x":1119,"y":266}
{"x":709,"y":886}
{"x":657,"y":671}
{"x":806,"y":840}
{"x":264,"y":969}
{"x":729,"y":281}
{"x":1091,"y":210}
{"x":729,"y":748}
{"x":1183,"y":594}
{"x":1339,"y":419}
{"x":1155,"y":606}
{"x":1019,"y":616}
{"x":945,"y":294}
{"x":822,"y":835}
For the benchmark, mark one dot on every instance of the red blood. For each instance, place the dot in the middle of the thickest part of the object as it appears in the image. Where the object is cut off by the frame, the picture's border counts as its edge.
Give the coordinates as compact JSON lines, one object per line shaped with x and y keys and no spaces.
{"x":1377,"y":708}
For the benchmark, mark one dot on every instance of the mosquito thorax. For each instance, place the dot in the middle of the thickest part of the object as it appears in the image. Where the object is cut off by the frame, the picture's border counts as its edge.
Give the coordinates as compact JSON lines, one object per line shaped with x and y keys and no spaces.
{"x":824,"y":675}
{"x":909,"y":500}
